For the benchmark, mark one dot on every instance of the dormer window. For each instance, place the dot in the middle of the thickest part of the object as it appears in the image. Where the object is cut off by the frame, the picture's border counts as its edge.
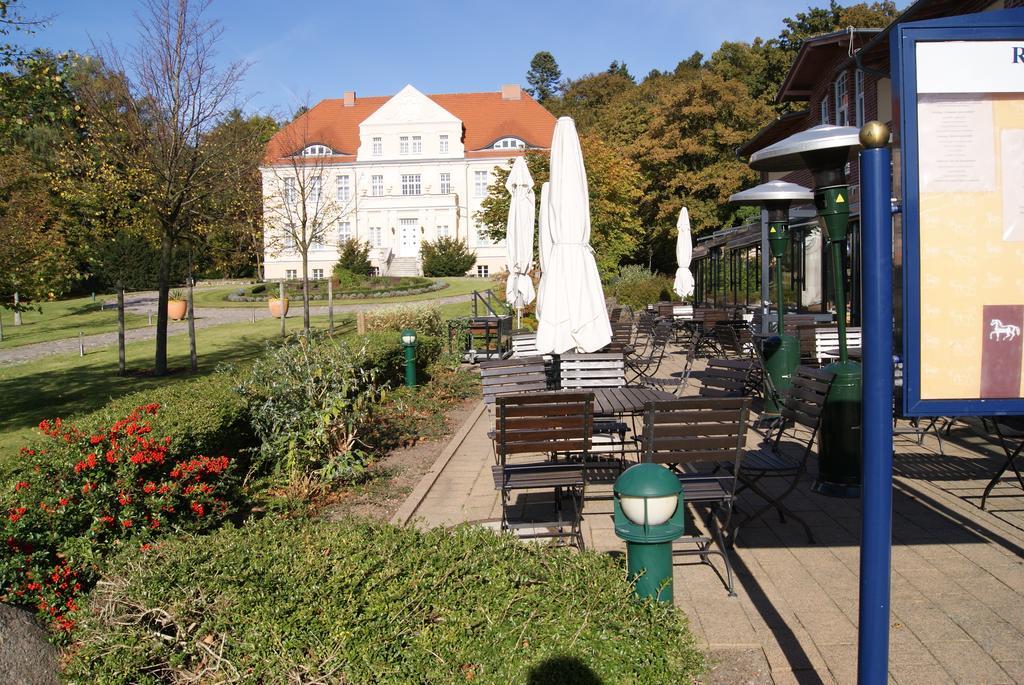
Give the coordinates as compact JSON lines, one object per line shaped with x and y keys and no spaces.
{"x":509,"y":144}
{"x":316,"y":151}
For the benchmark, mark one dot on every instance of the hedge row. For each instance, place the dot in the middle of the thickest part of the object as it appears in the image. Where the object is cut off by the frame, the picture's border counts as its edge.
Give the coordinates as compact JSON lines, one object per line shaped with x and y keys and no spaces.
{"x":361,"y":602}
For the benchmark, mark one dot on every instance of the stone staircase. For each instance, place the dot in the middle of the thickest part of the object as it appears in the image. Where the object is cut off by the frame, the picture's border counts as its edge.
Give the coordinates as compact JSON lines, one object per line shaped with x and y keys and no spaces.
{"x":404,"y":266}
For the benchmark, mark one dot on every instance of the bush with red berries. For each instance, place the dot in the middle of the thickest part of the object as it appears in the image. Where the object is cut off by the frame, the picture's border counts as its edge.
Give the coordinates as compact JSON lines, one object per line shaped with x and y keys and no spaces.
{"x":81,"y":494}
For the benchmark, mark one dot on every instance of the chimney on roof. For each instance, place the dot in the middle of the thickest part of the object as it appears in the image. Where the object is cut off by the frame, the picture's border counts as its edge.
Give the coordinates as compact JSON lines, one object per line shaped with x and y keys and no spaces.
{"x":350,"y":98}
{"x":511,"y":91}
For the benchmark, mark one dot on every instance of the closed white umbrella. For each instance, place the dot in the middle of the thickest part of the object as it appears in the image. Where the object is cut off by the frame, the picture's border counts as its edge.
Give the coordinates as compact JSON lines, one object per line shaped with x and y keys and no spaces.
{"x":519,"y":237}
{"x":574,"y":315}
{"x":684,"y":253}
{"x":543,"y":241}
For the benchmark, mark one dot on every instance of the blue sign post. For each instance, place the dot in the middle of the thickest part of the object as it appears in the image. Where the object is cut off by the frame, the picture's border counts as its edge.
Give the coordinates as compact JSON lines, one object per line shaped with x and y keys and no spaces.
{"x":876,"y":427}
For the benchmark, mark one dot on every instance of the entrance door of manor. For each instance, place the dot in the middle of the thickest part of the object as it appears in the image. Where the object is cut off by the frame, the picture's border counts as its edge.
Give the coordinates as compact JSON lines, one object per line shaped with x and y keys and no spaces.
{"x":408,"y":238}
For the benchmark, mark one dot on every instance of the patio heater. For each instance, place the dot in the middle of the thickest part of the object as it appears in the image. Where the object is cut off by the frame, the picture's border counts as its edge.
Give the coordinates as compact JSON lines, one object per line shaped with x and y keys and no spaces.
{"x":825,"y":150}
{"x":782,"y":351}
{"x":648,"y":515}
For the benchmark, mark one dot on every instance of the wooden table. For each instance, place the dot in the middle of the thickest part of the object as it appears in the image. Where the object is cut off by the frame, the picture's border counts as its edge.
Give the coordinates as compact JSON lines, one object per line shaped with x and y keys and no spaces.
{"x":626,"y":401}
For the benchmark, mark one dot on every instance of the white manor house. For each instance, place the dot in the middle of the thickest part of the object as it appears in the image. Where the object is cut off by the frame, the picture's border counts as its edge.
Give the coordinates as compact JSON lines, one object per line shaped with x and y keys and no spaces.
{"x":393,"y":172}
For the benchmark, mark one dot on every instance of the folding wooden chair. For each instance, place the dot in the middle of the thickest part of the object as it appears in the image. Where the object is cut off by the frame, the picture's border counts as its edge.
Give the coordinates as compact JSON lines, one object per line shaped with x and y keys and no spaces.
{"x":802,"y":406}
{"x":582,"y":371}
{"x":542,"y":443}
{"x":686,"y":434}
{"x":514,"y":375}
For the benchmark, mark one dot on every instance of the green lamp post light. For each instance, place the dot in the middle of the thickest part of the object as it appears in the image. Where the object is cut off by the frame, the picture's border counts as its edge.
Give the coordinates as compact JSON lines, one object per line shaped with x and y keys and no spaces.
{"x":409,"y":343}
{"x":648,"y":515}
{"x":825,"y":150}
{"x":781,"y":352}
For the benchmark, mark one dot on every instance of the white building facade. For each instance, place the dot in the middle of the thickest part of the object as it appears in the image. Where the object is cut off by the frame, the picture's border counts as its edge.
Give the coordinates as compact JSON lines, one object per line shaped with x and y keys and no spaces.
{"x":393,"y":172}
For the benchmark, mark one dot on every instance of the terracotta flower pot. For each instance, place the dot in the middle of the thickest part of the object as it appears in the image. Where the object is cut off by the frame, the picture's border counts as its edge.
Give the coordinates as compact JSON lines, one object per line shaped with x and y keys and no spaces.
{"x":275,"y":304}
{"x":176,"y":309}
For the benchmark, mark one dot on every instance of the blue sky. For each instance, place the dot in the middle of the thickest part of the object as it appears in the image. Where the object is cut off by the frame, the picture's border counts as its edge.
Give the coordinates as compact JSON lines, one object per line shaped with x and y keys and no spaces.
{"x":305,"y":51}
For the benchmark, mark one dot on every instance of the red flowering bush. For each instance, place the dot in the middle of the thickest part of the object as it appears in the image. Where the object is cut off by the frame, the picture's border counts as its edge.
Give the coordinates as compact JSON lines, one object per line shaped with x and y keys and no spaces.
{"x":80,"y":494}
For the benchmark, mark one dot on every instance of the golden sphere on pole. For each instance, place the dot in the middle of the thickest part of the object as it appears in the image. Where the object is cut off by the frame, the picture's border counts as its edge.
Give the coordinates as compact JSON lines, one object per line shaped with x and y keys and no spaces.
{"x":874,"y":134}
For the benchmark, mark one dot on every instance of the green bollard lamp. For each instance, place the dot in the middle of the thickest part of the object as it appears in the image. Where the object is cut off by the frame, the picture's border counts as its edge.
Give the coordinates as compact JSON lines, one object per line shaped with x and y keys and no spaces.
{"x":648,"y":514}
{"x":825,"y":150}
{"x":781,"y":352}
{"x":409,"y":343}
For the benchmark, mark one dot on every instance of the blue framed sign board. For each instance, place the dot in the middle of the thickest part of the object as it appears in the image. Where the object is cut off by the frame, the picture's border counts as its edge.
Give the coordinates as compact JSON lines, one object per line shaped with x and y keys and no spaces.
{"x":959,"y":88}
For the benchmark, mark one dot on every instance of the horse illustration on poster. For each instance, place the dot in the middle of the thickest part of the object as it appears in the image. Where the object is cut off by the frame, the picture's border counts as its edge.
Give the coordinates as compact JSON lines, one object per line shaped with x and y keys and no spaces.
{"x":1002,"y":331}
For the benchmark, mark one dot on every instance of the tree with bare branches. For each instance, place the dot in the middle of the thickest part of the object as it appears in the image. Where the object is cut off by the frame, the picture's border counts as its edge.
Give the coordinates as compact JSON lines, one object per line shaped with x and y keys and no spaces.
{"x":302,"y":205}
{"x":173,"y":95}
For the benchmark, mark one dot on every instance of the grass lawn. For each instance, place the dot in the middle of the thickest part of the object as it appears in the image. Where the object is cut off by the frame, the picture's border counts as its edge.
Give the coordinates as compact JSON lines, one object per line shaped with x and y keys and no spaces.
{"x":67,"y":384}
{"x":214,"y":297}
{"x":64,"y":319}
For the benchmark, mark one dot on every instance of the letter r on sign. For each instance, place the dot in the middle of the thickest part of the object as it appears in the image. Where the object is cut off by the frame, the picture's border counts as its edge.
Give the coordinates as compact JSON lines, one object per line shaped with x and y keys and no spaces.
{"x":1018,"y":55}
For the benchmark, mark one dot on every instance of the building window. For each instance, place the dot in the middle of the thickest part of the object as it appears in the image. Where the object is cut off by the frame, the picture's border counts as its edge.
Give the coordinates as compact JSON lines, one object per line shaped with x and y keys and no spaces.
{"x":509,"y":144}
{"x":823,"y":109}
{"x":858,"y":97}
{"x":291,"y":274}
{"x":479,"y":183}
{"x":316,"y":151}
{"x":378,"y":146}
{"x":318,"y":274}
{"x":482,"y":239}
{"x":403,"y":145}
{"x":446,"y":183}
{"x":482,"y":271}
{"x":289,"y":190}
{"x":344,"y":231}
{"x":376,"y":236}
{"x":344,"y":191}
{"x":410,"y":184}
{"x":442,"y":232}
{"x":314,"y":191}
{"x":376,"y":185}
{"x":842,"y":101}
{"x":417,"y":145}
{"x":442,"y":144}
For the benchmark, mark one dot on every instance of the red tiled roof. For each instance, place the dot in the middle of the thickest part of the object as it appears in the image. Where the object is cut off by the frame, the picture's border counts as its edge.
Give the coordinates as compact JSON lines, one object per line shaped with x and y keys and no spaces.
{"x":486,"y":117}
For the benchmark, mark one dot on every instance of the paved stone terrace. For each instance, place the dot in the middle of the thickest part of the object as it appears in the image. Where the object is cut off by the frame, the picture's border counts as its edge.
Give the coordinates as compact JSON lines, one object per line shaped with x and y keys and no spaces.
{"x":958,"y":571}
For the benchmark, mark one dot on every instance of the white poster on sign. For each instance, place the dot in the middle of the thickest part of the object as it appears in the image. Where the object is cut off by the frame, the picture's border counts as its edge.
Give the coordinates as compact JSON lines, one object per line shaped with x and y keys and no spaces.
{"x":1012,"y":156}
{"x":956,"y":144}
{"x":970,"y":66}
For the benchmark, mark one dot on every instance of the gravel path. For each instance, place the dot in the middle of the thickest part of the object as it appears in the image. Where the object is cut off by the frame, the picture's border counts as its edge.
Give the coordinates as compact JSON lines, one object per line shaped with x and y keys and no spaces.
{"x":145,"y":304}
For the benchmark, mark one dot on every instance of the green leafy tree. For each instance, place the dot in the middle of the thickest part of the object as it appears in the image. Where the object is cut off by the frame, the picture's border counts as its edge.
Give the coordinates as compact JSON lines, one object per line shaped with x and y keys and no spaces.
{"x":544,"y":77}
{"x":174,"y":97}
{"x":616,"y":188}
{"x":446,"y":257}
{"x":689,"y":148}
{"x":232,"y":222}
{"x":354,"y":257}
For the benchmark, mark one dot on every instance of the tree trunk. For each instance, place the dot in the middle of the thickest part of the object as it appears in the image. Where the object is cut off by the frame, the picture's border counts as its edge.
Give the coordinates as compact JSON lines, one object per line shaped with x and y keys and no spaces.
{"x":163,"y":279}
{"x":330,"y":305}
{"x":17,"y":311}
{"x":305,"y":291}
{"x":280,"y":291}
{"x":120,"y":332}
{"x":1,"y":324}
{"x":193,"y":358}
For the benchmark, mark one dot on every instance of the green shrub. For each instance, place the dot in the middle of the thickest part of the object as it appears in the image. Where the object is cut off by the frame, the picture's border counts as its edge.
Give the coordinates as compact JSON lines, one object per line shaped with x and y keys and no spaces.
{"x":361,"y":602}
{"x":312,"y":402}
{"x":261,"y":288}
{"x":82,"y":493}
{"x":201,"y":416}
{"x":637,"y":286}
{"x":354,"y":256}
{"x":423,"y":320}
{"x":446,"y":257}
{"x":346,"y":280}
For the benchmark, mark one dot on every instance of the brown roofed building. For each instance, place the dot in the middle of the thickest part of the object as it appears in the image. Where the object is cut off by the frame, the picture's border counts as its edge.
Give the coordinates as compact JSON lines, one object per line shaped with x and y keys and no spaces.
{"x":393,"y":171}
